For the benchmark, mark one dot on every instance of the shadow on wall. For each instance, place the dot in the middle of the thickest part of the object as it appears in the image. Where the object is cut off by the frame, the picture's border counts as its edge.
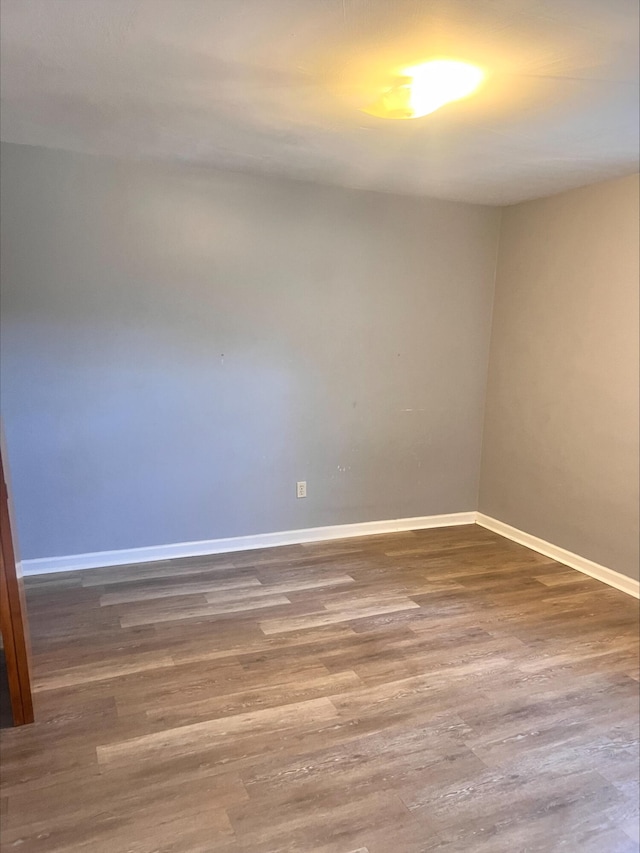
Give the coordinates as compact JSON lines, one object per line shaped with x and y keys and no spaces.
{"x":175,"y":446}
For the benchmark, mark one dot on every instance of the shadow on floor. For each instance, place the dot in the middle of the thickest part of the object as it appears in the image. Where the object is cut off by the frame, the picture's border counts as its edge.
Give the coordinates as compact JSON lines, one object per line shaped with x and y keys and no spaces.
{"x":6,"y":721}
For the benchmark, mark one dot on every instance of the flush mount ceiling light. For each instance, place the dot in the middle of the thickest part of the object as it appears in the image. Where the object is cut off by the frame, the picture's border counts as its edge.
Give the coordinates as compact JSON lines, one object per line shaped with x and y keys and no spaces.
{"x":423,"y":89}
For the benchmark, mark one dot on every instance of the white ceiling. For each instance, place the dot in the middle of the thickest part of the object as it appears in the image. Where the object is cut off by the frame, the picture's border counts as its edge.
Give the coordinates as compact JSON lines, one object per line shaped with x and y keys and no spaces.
{"x":276,"y":85}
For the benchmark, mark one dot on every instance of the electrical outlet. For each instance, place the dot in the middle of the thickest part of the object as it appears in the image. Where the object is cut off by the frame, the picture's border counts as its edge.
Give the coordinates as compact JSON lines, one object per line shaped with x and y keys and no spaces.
{"x":301,"y":489}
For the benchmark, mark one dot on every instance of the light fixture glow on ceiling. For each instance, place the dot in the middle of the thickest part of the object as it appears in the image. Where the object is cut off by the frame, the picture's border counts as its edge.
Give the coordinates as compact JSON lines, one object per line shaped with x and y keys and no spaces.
{"x":423,"y":89}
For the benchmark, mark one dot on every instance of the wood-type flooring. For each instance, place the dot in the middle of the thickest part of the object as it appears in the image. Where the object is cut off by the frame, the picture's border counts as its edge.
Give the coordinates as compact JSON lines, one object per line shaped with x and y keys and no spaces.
{"x":441,"y":690}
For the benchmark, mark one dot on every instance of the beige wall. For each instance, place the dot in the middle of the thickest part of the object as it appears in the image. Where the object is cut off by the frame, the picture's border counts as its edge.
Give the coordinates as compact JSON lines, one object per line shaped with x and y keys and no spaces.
{"x":560,"y":454}
{"x":171,"y":335}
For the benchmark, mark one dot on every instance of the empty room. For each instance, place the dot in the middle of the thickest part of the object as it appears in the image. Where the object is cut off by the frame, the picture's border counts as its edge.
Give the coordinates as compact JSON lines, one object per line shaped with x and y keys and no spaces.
{"x":319,"y":518}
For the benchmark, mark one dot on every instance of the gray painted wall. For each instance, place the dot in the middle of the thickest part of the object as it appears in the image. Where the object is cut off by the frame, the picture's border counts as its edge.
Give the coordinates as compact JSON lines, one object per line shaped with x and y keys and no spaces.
{"x":180,"y":346}
{"x":560,"y":457}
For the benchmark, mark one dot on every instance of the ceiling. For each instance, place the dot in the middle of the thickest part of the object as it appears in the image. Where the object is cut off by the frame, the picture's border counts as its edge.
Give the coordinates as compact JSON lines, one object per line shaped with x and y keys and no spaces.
{"x":277,"y":86}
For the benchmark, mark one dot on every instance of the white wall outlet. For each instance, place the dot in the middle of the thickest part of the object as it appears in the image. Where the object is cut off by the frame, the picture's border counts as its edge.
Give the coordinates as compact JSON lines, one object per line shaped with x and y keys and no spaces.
{"x":301,"y":489}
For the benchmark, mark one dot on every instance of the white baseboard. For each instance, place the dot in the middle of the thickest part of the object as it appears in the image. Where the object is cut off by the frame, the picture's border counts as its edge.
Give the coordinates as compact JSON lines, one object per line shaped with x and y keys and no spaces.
{"x":574,"y":561}
{"x":101,"y":559}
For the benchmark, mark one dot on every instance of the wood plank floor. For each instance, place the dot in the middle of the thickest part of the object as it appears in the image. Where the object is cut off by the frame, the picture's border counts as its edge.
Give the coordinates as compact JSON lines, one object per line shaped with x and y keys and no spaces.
{"x":442,"y":690}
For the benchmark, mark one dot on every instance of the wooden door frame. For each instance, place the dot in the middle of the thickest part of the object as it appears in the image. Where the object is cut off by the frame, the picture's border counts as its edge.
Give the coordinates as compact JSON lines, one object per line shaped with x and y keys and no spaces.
{"x":13,"y":616}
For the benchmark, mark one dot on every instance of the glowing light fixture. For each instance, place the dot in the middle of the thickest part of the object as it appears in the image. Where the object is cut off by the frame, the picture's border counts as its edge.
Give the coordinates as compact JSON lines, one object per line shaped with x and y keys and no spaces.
{"x":423,"y":89}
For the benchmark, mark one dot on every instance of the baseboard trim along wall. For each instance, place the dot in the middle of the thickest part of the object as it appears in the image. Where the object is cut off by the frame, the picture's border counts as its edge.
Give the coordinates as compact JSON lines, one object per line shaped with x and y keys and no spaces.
{"x":574,"y":561}
{"x":102,"y":559}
